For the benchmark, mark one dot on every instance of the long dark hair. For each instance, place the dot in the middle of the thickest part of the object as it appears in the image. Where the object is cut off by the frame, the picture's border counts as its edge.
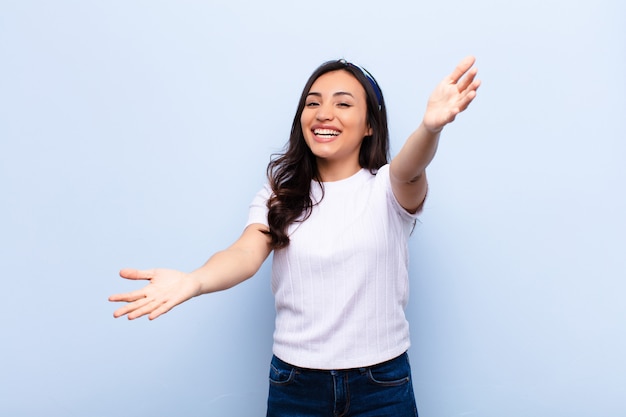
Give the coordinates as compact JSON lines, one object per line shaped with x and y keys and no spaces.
{"x":290,"y":173}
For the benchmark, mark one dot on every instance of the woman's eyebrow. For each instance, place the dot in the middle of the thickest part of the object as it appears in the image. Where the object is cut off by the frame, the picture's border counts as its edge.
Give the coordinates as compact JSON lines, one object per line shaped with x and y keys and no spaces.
{"x":338,"y":93}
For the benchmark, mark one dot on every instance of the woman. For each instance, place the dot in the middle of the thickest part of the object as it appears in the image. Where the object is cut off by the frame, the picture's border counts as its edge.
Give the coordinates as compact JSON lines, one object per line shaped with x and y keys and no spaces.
{"x":337,"y":216}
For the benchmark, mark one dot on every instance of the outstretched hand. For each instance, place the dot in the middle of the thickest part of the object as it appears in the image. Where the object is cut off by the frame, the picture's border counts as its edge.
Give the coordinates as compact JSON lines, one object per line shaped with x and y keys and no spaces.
{"x":166,"y":289}
{"x":452,"y":95}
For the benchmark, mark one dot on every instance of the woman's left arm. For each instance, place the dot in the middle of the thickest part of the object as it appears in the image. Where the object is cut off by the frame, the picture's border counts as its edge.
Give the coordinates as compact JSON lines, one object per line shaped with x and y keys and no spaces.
{"x":408,"y":168}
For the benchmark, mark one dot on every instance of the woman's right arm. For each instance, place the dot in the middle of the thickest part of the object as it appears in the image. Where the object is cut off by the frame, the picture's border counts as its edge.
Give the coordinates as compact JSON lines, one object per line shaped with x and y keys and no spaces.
{"x":168,"y":288}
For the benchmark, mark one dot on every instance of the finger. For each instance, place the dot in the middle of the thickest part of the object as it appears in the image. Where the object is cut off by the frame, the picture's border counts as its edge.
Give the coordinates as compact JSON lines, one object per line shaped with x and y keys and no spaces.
{"x":467,"y":81}
{"x":467,"y":99}
{"x":466,"y":102}
{"x":461,"y":69}
{"x":131,"y":307}
{"x":160,"y":310}
{"x":128,"y":297}
{"x":166,"y":306}
{"x":148,"y":308}
{"x":130,"y":273}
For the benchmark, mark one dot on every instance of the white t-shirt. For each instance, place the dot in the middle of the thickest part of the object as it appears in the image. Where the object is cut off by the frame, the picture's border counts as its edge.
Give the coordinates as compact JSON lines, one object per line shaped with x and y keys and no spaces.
{"x":341,"y":285}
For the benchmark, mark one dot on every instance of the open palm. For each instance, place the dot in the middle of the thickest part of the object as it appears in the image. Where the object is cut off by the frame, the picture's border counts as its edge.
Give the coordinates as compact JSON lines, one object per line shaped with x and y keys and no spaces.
{"x":166,"y":289}
{"x":452,"y":96}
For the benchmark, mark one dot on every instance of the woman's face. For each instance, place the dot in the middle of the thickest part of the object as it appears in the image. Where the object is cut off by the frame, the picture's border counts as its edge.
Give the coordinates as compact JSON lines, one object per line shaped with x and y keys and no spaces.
{"x":334,"y":120}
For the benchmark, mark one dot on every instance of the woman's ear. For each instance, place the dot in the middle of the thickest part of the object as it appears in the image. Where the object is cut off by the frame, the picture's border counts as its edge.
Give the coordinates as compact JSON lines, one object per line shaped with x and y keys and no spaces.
{"x":369,"y":130}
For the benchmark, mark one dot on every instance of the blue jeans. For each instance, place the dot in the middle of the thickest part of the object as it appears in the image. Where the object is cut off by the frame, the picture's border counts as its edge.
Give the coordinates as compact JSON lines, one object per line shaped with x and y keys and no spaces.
{"x":383,"y":390}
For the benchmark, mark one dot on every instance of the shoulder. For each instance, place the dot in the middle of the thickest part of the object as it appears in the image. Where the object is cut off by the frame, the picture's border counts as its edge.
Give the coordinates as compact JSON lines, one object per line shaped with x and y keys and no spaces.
{"x":264,"y":193}
{"x":258,"y":206}
{"x":383,"y":183}
{"x":381,"y":177}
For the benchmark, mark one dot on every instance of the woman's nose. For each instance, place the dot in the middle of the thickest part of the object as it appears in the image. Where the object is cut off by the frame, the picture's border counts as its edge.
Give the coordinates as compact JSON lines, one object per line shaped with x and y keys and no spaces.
{"x":324,"y":112}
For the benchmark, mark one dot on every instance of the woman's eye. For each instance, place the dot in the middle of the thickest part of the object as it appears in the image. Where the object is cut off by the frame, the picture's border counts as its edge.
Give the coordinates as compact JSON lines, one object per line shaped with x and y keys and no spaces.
{"x":343,"y":105}
{"x":312,"y":104}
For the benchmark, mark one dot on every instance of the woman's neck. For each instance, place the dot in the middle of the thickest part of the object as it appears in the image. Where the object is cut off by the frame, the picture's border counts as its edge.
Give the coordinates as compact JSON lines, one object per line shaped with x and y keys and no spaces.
{"x":330,"y":172}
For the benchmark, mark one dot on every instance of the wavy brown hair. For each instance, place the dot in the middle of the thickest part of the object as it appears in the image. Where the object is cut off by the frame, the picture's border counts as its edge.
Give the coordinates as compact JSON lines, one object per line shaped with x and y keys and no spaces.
{"x":290,"y":173}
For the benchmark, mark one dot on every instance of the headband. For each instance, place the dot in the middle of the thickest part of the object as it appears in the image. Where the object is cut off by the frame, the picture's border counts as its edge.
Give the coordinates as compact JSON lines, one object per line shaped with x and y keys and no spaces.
{"x":379,"y":94}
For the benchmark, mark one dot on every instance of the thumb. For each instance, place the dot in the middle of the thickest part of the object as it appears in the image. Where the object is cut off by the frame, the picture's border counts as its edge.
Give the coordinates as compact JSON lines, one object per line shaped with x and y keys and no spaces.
{"x":130,"y":273}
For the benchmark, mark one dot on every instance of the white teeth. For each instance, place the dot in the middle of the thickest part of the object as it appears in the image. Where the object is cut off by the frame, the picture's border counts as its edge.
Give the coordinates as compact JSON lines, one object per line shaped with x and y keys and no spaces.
{"x":326,"y":132}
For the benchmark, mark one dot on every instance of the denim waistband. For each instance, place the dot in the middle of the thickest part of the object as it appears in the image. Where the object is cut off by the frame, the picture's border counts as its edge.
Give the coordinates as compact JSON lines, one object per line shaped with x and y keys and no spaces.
{"x":402,"y":357}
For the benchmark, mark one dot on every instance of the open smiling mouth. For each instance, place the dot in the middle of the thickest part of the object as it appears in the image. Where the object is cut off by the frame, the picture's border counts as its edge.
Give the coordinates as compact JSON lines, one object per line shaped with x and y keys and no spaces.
{"x":326,"y":133}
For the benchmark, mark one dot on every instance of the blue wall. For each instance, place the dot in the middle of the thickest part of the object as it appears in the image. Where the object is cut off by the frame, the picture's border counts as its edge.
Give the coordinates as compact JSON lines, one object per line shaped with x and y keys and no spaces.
{"x":136,"y":133}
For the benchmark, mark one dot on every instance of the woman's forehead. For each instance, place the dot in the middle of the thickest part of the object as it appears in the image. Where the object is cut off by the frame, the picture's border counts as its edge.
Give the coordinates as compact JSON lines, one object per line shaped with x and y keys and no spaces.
{"x":337,"y":81}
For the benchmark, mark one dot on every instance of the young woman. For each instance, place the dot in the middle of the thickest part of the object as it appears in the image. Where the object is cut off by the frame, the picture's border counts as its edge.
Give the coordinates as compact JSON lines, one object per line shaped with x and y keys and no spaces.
{"x":337,"y":216}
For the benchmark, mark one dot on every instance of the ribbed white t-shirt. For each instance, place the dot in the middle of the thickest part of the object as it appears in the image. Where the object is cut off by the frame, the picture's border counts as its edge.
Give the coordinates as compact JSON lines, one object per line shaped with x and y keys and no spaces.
{"x":341,"y":286}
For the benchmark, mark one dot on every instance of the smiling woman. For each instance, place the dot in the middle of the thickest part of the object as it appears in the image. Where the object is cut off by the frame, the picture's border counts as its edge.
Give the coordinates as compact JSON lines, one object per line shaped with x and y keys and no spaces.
{"x":338,"y":217}
{"x":334,"y":124}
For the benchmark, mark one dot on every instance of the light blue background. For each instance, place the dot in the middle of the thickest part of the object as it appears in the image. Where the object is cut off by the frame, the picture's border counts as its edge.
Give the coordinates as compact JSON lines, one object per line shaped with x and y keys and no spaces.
{"x":135,"y":133}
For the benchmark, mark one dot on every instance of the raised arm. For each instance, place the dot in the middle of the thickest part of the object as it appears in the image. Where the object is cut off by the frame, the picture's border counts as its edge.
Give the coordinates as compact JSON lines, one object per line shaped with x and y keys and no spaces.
{"x":408,"y":167}
{"x":168,"y":288}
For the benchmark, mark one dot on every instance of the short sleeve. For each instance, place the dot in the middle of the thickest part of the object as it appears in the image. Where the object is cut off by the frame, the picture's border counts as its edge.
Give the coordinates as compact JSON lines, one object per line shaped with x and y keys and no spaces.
{"x":384,"y":175}
{"x":258,"y":207}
